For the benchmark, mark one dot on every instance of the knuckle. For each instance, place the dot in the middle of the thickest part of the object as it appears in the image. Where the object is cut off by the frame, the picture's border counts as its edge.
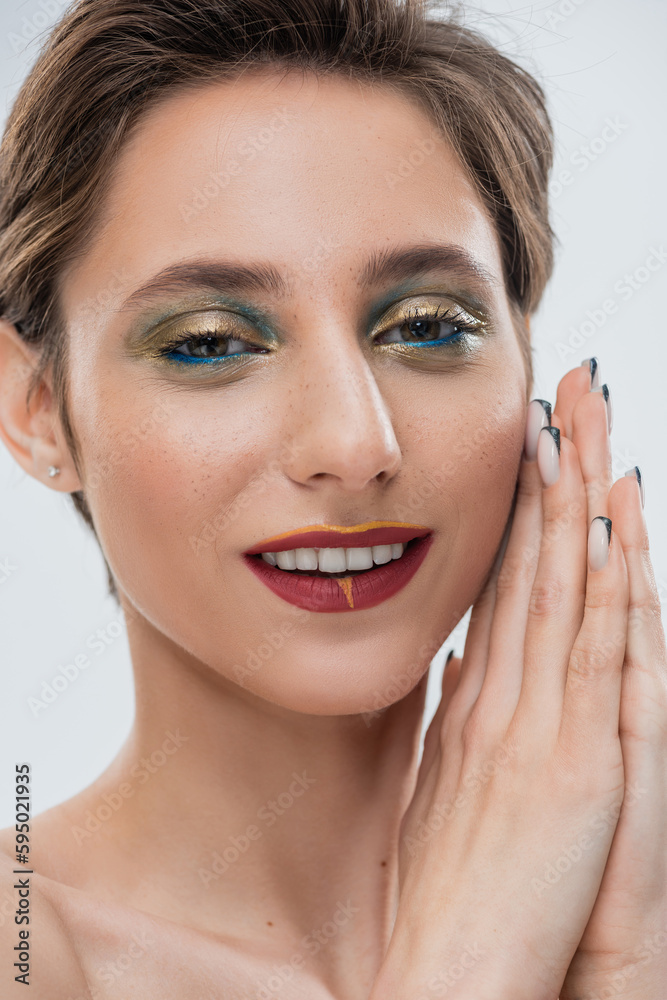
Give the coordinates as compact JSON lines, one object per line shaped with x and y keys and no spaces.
{"x":547,"y":598}
{"x":587,"y":772}
{"x":589,"y":661}
{"x":638,"y":544}
{"x":605,"y":595}
{"x":515,"y":570}
{"x":558,"y":519}
{"x":646,"y":606}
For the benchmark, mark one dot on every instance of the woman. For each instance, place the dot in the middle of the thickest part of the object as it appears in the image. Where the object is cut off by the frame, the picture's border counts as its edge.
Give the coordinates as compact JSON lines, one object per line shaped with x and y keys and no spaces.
{"x":267,"y":273}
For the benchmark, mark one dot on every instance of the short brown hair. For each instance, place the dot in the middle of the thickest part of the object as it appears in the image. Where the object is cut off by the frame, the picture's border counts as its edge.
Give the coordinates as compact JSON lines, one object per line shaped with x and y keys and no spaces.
{"x":107,"y":62}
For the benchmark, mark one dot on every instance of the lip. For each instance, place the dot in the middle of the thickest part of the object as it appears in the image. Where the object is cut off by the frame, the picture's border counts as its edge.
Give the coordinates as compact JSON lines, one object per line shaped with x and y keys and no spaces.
{"x":335,"y":536}
{"x":349,"y":593}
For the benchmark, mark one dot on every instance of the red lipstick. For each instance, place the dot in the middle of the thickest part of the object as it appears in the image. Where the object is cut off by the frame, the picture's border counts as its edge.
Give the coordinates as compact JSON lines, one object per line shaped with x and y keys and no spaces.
{"x":353,"y":592}
{"x":328,"y":536}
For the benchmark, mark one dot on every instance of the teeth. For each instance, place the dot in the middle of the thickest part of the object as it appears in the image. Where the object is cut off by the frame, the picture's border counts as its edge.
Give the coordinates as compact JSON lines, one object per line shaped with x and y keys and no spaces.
{"x":286,"y":559}
{"x":306,"y":559}
{"x":334,"y":560}
{"x":359,"y":558}
{"x":331,"y":560}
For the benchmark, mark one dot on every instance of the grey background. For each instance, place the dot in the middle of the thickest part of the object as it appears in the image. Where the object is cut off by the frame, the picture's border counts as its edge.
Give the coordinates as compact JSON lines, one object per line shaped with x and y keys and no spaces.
{"x":600,"y":61}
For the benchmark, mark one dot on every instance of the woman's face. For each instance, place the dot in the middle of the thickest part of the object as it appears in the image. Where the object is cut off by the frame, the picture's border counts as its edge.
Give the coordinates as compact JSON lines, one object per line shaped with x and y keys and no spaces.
{"x":328,"y":403}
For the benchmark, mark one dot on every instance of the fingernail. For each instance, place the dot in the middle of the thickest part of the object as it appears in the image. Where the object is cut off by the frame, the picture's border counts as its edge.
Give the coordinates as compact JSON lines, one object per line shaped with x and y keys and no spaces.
{"x":594,"y":368}
{"x":599,"y":540}
{"x":548,"y":454}
{"x":537,"y":417}
{"x":637,"y":473}
{"x":604,"y":389}
{"x":449,"y":656}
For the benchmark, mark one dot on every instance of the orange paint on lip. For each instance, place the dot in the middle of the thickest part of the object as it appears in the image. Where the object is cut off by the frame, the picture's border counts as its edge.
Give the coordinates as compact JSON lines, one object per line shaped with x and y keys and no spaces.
{"x":355,"y":527}
{"x":345,"y":583}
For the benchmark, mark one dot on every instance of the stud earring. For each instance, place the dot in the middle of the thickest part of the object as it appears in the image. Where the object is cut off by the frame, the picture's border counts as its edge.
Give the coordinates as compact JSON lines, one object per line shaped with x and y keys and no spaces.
{"x":54,"y":470}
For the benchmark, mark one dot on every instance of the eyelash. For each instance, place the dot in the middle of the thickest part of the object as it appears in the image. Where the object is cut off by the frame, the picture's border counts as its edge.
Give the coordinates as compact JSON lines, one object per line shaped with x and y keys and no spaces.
{"x":457,"y":320}
{"x":463,"y":327}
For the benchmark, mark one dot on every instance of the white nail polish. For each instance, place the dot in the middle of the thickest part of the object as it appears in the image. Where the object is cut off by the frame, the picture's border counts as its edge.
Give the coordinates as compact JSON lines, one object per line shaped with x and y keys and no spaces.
{"x":548,"y":455}
{"x":538,"y":416}
{"x":635,"y":471}
{"x":599,"y":538}
{"x":594,"y":369}
{"x":604,"y":389}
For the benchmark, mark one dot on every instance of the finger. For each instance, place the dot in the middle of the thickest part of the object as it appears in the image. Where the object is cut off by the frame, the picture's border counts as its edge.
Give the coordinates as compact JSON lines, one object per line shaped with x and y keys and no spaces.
{"x":556,"y":605}
{"x":571,"y":387}
{"x":590,"y":435}
{"x":504,"y":672}
{"x":476,"y":649}
{"x":591,"y":704}
{"x":450,"y":678}
{"x":645,"y":667}
{"x":432,"y":737}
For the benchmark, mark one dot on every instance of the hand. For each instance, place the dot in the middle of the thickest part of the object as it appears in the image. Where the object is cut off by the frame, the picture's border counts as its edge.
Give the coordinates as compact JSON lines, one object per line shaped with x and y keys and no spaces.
{"x":623,"y":951}
{"x":502,"y":847}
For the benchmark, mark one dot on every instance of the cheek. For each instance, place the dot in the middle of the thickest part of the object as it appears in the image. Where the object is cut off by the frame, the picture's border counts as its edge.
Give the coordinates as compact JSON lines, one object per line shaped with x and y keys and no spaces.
{"x":165,"y":481}
{"x":473,"y":442}
{"x":471,"y":452}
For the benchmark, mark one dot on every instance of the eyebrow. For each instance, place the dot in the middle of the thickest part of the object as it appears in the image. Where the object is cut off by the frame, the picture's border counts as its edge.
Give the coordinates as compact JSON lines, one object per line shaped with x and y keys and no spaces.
{"x":391,"y":264}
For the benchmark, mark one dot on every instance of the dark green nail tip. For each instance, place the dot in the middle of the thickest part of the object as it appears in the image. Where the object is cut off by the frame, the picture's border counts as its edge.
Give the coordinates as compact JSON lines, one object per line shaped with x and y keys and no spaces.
{"x":546,"y":406}
{"x":592,"y":366}
{"x":555,"y":433}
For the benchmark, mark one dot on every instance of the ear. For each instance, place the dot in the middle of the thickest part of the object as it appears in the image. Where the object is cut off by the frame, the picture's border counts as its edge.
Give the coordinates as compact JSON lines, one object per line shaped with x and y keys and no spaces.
{"x":33,"y":434}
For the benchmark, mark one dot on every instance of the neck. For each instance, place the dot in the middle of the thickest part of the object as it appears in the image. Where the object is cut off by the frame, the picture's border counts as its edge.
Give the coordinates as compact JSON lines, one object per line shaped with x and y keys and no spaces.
{"x":248,"y":820}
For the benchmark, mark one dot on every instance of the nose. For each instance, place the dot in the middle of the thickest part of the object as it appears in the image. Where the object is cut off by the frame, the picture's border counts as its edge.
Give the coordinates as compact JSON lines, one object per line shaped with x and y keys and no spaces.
{"x":341,"y":426}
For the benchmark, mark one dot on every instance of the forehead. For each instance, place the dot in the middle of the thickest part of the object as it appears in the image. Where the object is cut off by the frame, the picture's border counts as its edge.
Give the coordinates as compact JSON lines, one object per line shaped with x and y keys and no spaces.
{"x":283,"y":166}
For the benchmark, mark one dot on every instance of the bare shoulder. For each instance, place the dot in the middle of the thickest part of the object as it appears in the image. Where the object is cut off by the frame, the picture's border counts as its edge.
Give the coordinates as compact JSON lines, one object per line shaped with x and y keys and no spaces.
{"x":35,"y":949}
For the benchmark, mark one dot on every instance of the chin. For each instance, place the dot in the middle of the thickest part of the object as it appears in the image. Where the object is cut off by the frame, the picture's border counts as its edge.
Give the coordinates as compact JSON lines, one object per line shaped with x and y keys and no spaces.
{"x":348,"y":677}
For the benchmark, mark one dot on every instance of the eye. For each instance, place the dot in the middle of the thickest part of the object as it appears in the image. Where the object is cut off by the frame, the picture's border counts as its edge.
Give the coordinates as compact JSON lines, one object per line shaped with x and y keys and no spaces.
{"x":208,"y":346}
{"x":430,"y":326}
